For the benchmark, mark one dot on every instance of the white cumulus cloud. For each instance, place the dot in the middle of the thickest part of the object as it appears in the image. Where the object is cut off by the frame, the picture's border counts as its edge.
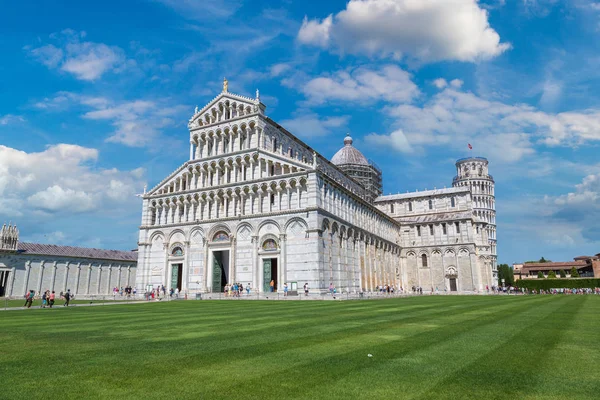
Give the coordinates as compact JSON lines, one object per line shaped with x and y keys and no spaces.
{"x":362,"y":85}
{"x":425,"y":30}
{"x":62,"y":180}
{"x":87,"y":61}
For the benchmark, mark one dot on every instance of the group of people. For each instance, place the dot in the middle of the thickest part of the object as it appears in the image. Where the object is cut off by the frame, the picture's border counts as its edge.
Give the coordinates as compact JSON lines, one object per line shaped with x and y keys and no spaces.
{"x":48,"y":298}
{"x":156,"y":293}
{"x":127,"y":291}
{"x":236,"y":289}
{"x":516,"y":290}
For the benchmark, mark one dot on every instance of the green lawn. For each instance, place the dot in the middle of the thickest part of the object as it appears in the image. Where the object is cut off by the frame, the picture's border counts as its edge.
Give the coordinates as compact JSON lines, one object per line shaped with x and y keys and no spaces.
{"x":430,"y":347}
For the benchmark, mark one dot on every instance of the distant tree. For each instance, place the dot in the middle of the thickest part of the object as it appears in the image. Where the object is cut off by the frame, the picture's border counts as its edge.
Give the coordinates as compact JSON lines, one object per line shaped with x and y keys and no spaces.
{"x":540,"y":275}
{"x":552,"y":275}
{"x":541,"y":260}
{"x":574,"y":273}
{"x":562,"y":273}
{"x":506,"y":272}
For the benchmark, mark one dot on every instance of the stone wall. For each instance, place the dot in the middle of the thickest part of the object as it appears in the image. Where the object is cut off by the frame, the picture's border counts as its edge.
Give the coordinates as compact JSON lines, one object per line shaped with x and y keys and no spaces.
{"x":82,"y":276}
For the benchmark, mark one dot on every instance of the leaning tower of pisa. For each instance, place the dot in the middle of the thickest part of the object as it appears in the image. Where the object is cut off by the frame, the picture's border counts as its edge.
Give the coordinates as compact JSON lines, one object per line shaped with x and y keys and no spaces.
{"x":473,"y":173}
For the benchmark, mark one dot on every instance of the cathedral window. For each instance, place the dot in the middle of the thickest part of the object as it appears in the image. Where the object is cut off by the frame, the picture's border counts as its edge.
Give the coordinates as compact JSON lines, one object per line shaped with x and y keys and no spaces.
{"x":410,"y":206}
{"x":457,"y":226}
{"x":430,"y":204}
{"x":418,"y":231}
{"x":392,"y":208}
{"x":272,"y":199}
{"x":431,"y":229}
{"x":452,"y":202}
{"x":444,"y":228}
{"x":177,"y":252}
{"x":424,"y":260}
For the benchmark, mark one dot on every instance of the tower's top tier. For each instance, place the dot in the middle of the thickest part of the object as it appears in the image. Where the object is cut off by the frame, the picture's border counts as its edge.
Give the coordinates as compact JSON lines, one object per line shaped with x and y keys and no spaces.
{"x":472,"y":168}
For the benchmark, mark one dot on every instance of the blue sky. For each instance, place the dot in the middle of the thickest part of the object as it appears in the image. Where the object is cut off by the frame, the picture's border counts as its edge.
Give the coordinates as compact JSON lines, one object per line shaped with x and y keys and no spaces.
{"x":95,"y":98}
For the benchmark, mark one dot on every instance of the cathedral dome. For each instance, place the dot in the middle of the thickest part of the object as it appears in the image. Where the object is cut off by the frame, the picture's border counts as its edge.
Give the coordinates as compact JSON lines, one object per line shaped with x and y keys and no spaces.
{"x":349,"y":154}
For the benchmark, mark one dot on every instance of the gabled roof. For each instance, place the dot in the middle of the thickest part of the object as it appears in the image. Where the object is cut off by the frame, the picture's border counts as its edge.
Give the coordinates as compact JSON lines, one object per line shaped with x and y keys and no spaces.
{"x":231,"y":96}
{"x":76,"y":252}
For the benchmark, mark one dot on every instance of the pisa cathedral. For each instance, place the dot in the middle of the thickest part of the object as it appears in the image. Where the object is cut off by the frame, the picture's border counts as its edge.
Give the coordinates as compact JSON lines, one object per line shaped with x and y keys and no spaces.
{"x":254,"y":204}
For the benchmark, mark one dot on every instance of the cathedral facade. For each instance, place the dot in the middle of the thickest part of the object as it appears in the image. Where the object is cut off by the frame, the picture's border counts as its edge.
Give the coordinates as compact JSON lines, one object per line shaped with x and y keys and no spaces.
{"x":255,"y":205}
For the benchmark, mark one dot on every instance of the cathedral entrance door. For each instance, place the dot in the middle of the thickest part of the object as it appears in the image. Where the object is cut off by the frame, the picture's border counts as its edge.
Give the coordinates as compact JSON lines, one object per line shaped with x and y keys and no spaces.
{"x":453,"y":284}
{"x":220,"y":270}
{"x":176,"y":276}
{"x":269,"y":274}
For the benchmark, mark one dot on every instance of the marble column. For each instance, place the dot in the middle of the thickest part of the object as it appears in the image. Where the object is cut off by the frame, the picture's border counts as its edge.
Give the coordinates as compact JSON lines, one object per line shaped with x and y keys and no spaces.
{"x":40,"y":276}
{"x":26,"y":280}
{"x":10,"y":288}
{"x":88,"y":279}
{"x":98,"y":279}
{"x":66,"y":276}
{"x":77,"y":278}
{"x":283,"y":267}
{"x":206,"y":266}
{"x":255,"y":267}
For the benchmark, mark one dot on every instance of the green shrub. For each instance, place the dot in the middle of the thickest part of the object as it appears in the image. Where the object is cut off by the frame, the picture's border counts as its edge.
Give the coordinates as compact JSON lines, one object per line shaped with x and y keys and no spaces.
{"x":540,"y":275}
{"x":547,"y":284}
{"x":574,"y":273}
{"x":562,"y":273}
{"x":552,"y":275}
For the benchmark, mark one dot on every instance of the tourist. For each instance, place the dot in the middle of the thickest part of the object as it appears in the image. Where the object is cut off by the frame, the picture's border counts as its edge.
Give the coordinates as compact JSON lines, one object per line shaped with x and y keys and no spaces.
{"x":177,"y":293}
{"x":306,"y":289}
{"x":29,"y":299}
{"x":330,"y":288}
{"x":248,"y":288}
{"x":44,"y":298}
{"x":272,"y":286}
{"x":285,"y":290}
{"x":67,"y":297}
{"x":52,"y":297}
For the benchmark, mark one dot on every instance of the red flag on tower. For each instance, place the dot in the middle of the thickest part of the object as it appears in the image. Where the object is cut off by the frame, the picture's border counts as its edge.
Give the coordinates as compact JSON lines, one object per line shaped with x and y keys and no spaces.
{"x":470,"y":147}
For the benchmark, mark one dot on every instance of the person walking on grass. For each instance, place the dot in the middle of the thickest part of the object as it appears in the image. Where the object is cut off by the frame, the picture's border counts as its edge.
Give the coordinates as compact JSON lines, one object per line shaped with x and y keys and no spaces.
{"x":67,"y":297}
{"x":52,"y":297}
{"x":44,"y":299}
{"x":29,"y":299}
{"x":285,"y":290}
